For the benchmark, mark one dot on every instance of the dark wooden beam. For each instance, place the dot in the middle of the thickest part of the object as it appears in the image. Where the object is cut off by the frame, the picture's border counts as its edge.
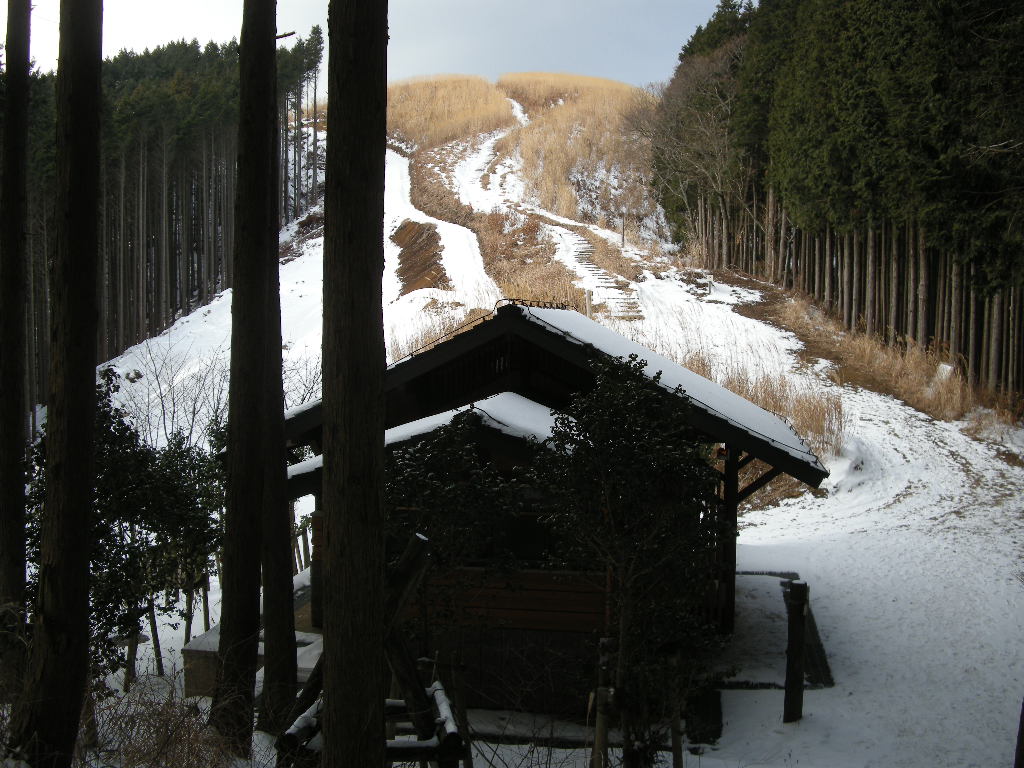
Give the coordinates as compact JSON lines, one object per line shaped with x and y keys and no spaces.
{"x":760,"y":483}
{"x":306,"y":484}
{"x":729,"y":532}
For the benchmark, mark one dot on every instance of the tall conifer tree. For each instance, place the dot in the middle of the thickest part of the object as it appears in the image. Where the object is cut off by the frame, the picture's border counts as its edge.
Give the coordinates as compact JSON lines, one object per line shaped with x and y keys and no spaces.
{"x":353,"y":345}
{"x":13,"y":281}
{"x":45,"y":721}
{"x":279,"y":669}
{"x":251,"y":345}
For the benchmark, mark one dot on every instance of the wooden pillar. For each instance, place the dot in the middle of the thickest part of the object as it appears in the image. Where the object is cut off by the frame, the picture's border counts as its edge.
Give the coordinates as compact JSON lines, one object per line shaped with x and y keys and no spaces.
{"x":154,"y":629}
{"x":730,"y":530}
{"x":1018,"y":759}
{"x":676,"y":723}
{"x":599,"y":756}
{"x":796,"y":612}
{"x":316,"y":605}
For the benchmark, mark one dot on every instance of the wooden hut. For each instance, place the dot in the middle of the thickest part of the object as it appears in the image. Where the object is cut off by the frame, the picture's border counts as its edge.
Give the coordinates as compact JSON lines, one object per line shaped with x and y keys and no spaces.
{"x":513,"y":368}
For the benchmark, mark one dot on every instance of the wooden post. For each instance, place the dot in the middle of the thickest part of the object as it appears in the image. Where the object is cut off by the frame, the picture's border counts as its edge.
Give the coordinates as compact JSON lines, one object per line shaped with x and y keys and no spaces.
{"x":796,"y":611}
{"x":158,"y":655}
{"x":729,"y":530}
{"x":1018,"y":760}
{"x":131,"y":655}
{"x":316,"y":605}
{"x":402,"y":584}
{"x":394,"y":692}
{"x":403,"y":667}
{"x":599,"y":758}
{"x":206,"y":602}
{"x":676,"y":724}
{"x":189,"y":613}
{"x":305,"y":548}
{"x":677,"y":737}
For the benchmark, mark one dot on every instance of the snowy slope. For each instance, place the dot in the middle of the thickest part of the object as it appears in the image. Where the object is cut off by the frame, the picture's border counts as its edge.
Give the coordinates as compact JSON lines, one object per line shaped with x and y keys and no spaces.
{"x":914,"y":556}
{"x":460,"y":257}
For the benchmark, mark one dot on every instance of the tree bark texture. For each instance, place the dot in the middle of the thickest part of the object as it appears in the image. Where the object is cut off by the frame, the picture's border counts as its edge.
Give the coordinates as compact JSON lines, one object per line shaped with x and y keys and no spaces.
{"x":256,"y":243}
{"x":13,"y":300}
{"x":279,"y":671}
{"x":923,"y":290}
{"x":353,"y":340}
{"x":45,"y":721}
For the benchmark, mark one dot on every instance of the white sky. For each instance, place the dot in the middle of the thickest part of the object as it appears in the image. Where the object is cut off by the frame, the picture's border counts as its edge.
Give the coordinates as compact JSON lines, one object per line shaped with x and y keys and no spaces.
{"x":636,"y":41}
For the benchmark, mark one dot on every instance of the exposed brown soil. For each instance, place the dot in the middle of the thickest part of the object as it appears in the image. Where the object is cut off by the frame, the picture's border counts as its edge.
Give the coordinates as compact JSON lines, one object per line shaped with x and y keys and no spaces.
{"x":1013,"y":459}
{"x":419,"y":263}
{"x":310,"y":226}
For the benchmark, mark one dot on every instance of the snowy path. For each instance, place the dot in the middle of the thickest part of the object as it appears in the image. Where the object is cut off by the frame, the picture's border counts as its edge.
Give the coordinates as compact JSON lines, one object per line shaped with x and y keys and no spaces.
{"x":460,"y":257}
{"x":576,"y":252}
{"x":910,"y":560}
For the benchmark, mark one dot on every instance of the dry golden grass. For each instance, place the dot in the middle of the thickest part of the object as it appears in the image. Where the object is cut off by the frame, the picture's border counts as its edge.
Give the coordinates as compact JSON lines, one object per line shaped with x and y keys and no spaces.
{"x":539,"y":91}
{"x":538,"y":281}
{"x":610,"y":257}
{"x":815,"y":411}
{"x":580,"y":159}
{"x":153,"y":726}
{"x":920,"y":377}
{"x":428,"y":112}
{"x":431,"y":195}
{"x":511,"y":238}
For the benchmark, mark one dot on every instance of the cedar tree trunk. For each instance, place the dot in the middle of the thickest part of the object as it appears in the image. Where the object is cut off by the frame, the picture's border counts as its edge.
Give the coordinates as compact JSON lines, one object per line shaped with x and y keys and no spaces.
{"x":13,"y":274}
{"x":45,"y":721}
{"x":353,"y":345}
{"x":279,"y":670}
{"x":255,"y":242}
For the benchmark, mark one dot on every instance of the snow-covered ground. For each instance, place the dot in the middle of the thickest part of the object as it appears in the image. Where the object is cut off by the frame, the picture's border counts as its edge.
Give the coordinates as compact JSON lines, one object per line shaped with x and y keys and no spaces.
{"x":913,"y":557}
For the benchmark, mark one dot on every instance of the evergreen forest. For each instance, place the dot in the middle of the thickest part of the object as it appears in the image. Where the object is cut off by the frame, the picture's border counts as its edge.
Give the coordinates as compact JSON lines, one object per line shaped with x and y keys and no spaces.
{"x":169,"y":129}
{"x":868,"y":154}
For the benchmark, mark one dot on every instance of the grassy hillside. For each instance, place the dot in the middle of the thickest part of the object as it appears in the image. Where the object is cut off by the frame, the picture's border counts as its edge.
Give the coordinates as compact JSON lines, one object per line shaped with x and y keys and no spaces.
{"x":428,"y":112}
{"x":579,"y":157}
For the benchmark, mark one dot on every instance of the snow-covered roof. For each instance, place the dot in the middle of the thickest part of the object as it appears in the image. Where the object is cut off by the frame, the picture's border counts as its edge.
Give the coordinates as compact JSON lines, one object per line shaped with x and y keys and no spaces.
{"x":505,"y":412}
{"x":719,"y":413}
{"x":302,"y":408}
{"x":703,"y":393}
